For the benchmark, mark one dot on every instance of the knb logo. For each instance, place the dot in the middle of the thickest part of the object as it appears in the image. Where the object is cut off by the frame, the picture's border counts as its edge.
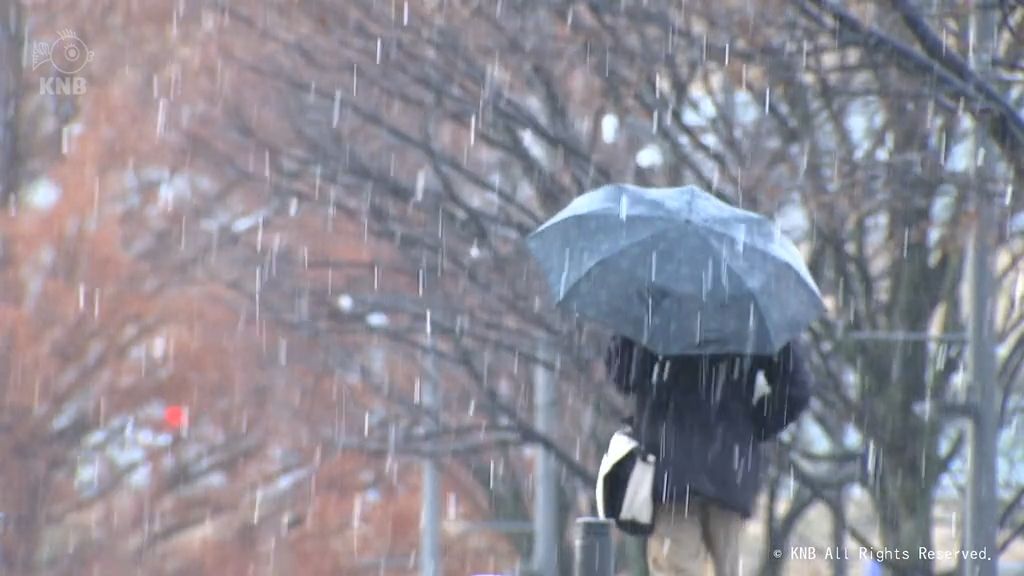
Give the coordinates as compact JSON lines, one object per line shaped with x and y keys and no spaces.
{"x":68,"y":55}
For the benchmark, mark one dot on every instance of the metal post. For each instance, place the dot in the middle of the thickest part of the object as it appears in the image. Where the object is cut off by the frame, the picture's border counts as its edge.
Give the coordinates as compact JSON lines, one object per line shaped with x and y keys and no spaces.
{"x":592,"y":544}
{"x":546,"y":535}
{"x":839,"y":530}
{"x":430,"y":513}
{"x":981,"y":514}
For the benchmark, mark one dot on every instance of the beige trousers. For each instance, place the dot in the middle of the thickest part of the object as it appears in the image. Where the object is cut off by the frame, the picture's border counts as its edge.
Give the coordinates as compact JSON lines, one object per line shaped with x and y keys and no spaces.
{"x":683,"y":540}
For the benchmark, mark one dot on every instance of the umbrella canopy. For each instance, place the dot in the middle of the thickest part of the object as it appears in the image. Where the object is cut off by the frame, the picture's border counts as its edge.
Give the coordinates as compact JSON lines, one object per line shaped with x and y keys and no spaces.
{"x":677,"y":270}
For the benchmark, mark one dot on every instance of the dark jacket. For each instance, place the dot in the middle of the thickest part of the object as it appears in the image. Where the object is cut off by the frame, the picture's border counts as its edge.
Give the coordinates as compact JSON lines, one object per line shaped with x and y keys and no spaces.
{"x":698,"y":415}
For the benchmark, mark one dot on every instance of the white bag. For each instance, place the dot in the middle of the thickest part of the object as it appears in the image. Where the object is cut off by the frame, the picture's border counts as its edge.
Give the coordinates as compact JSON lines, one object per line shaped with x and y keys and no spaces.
{"x":625,"y":485}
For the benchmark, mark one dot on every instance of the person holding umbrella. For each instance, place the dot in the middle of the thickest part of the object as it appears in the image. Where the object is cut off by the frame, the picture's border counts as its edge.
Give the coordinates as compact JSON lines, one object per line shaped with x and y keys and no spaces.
{"x":707,"y":301}
{"x":707,"y":421}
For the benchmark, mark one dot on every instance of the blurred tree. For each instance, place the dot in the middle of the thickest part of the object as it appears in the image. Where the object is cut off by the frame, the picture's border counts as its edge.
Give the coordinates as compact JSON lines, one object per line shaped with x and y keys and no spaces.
{"x":357,"y":173}
{"x":105,"y":319}
{"x":451,"y":129}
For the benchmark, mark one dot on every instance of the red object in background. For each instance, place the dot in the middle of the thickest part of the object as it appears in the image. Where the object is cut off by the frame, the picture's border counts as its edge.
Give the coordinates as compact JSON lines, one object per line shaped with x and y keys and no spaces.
{"x":176,"y":416}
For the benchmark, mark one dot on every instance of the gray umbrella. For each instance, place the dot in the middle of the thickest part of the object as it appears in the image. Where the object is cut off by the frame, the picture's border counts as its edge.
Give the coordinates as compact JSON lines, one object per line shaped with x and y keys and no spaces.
{"x":677,"y":270}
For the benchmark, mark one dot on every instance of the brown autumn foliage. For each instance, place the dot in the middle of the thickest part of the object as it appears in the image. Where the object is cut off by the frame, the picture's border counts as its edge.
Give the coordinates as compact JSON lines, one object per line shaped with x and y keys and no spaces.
{"x":118,"y":301}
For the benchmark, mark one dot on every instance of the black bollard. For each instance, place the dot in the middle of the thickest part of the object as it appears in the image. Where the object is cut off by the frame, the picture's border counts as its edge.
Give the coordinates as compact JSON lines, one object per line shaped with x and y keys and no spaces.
{"x":595,"y":555}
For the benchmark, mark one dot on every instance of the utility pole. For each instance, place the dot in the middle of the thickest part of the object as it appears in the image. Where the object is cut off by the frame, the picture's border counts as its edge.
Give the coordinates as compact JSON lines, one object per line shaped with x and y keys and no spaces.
{"x":430,"y":512}
{"x":980,"y":518}
{"x":546,"y":537}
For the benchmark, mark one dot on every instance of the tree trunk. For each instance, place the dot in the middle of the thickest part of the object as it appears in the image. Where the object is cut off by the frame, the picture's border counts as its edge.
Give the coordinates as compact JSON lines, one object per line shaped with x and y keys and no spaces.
{"x":10,"y":88}
{"x":907,"y":471}
{"x":906,"y":515}
{"x":23,"y":488}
